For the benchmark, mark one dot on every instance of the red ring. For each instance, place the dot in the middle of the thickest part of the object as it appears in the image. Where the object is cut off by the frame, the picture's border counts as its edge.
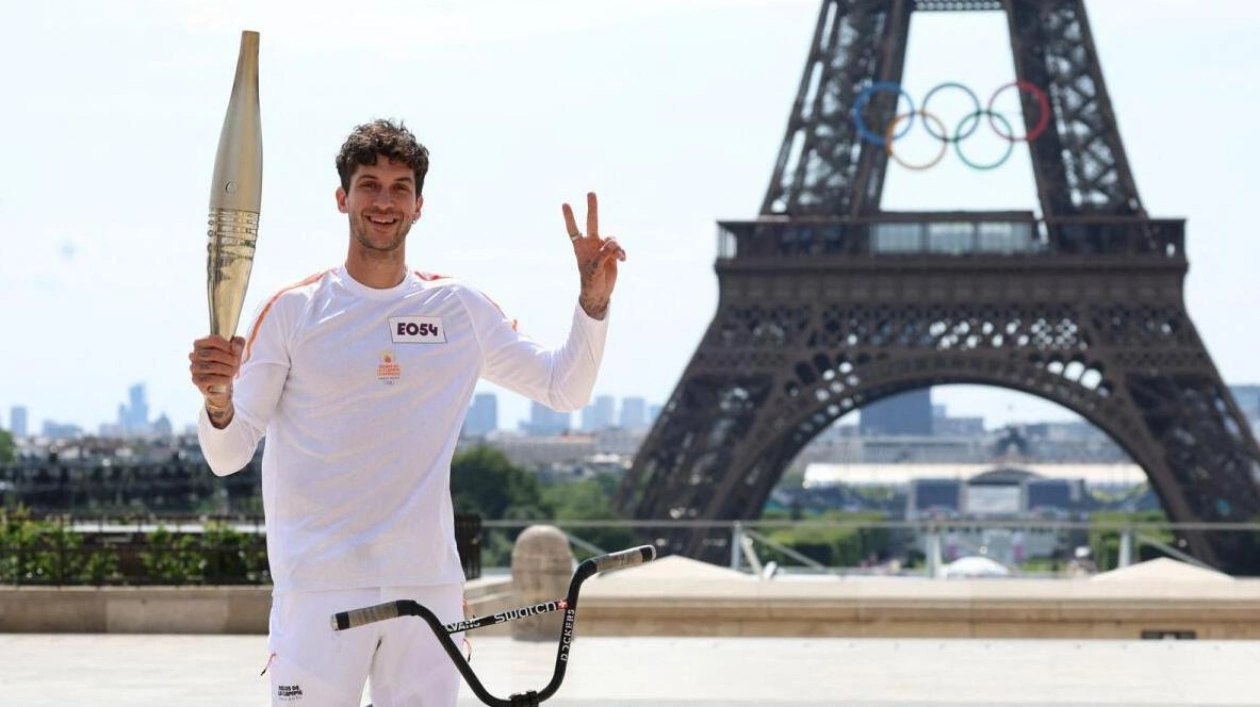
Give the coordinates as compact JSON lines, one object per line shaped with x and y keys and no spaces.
{"x":1043,"y":106}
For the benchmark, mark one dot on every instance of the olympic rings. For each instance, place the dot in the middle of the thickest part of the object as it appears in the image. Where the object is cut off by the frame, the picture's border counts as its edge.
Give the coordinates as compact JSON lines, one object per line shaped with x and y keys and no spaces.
{"x":927,"y":117}
{"x":864,"y":97}
{"x":1010,"y":144}
{"x":957,"y":134}
{"x":1043,"y":111}
{"x":935,"y":127}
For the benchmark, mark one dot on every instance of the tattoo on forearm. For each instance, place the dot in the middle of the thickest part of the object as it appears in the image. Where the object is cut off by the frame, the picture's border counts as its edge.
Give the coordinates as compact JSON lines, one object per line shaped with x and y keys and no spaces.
{"x":595,"y":307}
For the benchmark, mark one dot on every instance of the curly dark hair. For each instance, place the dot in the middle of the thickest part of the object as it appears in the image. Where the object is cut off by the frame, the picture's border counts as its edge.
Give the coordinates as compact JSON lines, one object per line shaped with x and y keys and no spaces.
{"x":382,"y":137}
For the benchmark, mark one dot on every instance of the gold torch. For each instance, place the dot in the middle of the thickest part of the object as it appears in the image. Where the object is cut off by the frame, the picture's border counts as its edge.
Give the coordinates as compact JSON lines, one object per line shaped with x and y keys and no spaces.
{"x":235,"y":196}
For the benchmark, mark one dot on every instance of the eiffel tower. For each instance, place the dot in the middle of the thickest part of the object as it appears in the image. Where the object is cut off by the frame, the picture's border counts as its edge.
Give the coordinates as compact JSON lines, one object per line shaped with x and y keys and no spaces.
{"x":828,"y":303}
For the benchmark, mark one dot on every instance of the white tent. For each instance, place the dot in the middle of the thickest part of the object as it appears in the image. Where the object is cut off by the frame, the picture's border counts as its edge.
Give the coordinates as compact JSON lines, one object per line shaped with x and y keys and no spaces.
{"x":975,"y":566}
{"x":1162,"y":569}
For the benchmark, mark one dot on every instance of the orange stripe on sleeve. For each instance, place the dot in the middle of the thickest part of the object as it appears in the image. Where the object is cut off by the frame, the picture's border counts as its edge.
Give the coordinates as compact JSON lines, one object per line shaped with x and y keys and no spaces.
{"x":496,"y":306}
{"x":253,"y":334}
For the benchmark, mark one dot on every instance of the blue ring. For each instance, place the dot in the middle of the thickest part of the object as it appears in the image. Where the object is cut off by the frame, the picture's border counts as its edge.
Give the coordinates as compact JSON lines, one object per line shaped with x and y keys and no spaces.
{"x":865,"y":96}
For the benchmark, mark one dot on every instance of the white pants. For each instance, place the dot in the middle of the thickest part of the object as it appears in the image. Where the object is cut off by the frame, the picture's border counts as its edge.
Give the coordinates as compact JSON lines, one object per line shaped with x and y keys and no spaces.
{"x":312,"y":665}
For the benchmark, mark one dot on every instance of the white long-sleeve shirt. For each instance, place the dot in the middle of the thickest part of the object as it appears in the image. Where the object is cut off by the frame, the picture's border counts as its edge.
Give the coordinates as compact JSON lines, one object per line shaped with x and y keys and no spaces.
{"x":361,"y":394}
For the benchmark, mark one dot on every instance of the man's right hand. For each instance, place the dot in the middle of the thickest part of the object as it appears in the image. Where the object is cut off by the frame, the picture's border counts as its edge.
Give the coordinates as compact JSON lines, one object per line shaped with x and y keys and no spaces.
{"x":214,"y":363}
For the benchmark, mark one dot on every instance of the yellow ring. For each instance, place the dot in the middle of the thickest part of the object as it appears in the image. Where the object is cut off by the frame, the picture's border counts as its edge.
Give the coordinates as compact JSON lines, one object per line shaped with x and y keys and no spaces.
{"x":890,"y":138}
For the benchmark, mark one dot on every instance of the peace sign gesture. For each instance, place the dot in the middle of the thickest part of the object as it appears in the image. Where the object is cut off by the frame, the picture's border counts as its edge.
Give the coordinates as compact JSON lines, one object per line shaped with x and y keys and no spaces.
{"x":597,"y":259}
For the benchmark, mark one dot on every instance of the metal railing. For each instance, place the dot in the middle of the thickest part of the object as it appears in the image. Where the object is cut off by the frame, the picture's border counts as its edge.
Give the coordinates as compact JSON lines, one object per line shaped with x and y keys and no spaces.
{"x":951,"y":234}
{"x":752,"y":544}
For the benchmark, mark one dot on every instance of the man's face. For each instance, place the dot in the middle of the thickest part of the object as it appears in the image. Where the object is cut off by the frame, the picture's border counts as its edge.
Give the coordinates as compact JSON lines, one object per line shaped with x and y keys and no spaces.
{"x":382,"y":204}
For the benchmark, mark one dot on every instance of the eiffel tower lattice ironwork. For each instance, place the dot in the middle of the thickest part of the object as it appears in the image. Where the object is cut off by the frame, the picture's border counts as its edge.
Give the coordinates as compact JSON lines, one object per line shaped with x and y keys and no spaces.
{"x":828,"y":303}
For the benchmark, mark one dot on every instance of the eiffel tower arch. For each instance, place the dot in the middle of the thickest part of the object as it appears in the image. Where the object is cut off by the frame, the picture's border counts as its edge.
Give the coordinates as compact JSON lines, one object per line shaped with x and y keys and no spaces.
{"x":828,"y":303}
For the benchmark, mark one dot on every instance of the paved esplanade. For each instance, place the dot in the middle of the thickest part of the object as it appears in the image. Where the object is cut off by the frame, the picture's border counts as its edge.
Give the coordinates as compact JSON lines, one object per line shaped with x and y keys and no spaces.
{"x":200,"y":671}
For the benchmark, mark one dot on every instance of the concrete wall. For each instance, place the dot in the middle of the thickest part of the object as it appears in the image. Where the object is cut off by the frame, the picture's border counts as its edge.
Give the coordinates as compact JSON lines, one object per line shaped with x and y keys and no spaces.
{"x":135,"y":610}
{"x":953,"y":609}
{"x":213,"y":610}
{"x":892,"y":608}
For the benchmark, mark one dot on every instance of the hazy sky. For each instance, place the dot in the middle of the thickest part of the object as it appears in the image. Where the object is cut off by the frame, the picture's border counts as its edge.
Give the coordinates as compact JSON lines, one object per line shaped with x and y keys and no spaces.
{"x":672,"y":110}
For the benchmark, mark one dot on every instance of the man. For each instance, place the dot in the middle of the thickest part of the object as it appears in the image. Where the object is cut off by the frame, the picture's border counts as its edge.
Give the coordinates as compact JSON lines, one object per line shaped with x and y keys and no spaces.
{"x":360,"y":377}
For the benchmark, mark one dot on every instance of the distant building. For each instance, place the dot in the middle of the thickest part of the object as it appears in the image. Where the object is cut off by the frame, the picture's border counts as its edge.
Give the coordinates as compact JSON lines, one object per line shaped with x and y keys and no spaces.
{"x":544,"y":421}
{"x":133,"y":416}
{"x":541,"y":452}
{"x":957,"y":426}
{"x":616,"y":440}
{"x":599,"y":414}
{"x":162,"y":426}
{"x":18,"y":421}
{"x":55,"y":430}
{"x":904,"y":414}
{"x":984,"y":492}
{"x":110,"y":430}
{"x":633,"y":413}
{"x":1248,"y":399}
{"x":483,"y":415}
{"x":941,"y":497}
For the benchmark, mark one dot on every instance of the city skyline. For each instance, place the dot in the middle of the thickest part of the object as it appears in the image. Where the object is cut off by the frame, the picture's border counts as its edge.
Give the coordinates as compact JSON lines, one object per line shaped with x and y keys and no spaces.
{"x":134,"y":418}
{"x":672,"y":139}
{"x":901,"y":414}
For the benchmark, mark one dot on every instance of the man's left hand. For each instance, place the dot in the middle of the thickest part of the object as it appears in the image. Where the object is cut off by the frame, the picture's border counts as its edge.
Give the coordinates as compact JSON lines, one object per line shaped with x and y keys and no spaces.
{"x":597,"y":258}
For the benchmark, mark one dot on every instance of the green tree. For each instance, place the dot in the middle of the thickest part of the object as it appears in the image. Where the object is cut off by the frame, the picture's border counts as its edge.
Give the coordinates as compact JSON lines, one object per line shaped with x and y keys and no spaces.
{"x":843,"y":546}
{"x":172,"y":558}
{"x":47,"y":552}
{"x":233,"y":557}
{"x":1105,"y":544}
{"x":8,"y":448}
{"x":484,"y":481}
{"x":589,"y":499}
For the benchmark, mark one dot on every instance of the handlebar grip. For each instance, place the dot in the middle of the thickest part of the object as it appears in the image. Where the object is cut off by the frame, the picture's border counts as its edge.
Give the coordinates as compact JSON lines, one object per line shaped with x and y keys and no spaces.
{"x":625,"y":558}
{"x":368,"y":614}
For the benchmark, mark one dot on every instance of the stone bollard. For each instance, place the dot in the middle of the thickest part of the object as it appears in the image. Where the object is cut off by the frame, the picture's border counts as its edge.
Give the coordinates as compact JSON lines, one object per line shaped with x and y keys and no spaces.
{"x":542,"y":565}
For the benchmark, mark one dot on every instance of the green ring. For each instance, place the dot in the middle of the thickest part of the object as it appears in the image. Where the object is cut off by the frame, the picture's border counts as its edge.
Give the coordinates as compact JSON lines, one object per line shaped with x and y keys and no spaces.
{"x":1010,"y":144}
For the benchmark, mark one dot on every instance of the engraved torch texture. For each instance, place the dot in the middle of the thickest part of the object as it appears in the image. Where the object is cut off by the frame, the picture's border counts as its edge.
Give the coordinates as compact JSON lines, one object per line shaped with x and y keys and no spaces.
{"x":235,"y":196}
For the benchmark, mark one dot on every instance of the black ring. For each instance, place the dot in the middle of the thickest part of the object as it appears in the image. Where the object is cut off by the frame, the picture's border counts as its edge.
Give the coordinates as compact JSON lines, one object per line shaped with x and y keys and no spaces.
{"x":974,"y":99}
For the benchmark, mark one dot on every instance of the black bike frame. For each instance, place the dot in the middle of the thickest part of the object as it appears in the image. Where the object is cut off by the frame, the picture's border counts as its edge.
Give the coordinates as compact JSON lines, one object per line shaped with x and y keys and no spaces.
{"x":406,"y":607}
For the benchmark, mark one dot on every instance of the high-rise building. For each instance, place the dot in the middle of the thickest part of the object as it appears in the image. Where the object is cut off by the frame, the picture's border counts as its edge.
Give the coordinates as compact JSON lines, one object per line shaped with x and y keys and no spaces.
{"x":599,"y":414}
{"x":545,"y":421}
{"x":1248,"y":398}
{"x":904,"y":414}
{"x":633,"y":413}
{"x":483,"y":415}
{"x":18,"y":421}
{"x":133,"y":416}
{"x":57,"y":430}
{"x":958,"y":427}
{"x":162,"y":426}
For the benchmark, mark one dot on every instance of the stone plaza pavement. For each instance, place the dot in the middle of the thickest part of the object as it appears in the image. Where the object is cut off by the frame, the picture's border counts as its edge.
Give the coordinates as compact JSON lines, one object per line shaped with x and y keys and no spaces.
{"x":157,"y":670}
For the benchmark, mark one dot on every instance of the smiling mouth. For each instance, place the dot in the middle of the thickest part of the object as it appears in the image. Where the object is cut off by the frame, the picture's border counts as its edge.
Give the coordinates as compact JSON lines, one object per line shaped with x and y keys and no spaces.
{"x":382,"y":220}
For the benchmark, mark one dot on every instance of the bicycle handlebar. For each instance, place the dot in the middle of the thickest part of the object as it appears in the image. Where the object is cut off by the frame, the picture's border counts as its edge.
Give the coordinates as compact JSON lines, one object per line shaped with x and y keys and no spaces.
{"x":353,"y":618}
